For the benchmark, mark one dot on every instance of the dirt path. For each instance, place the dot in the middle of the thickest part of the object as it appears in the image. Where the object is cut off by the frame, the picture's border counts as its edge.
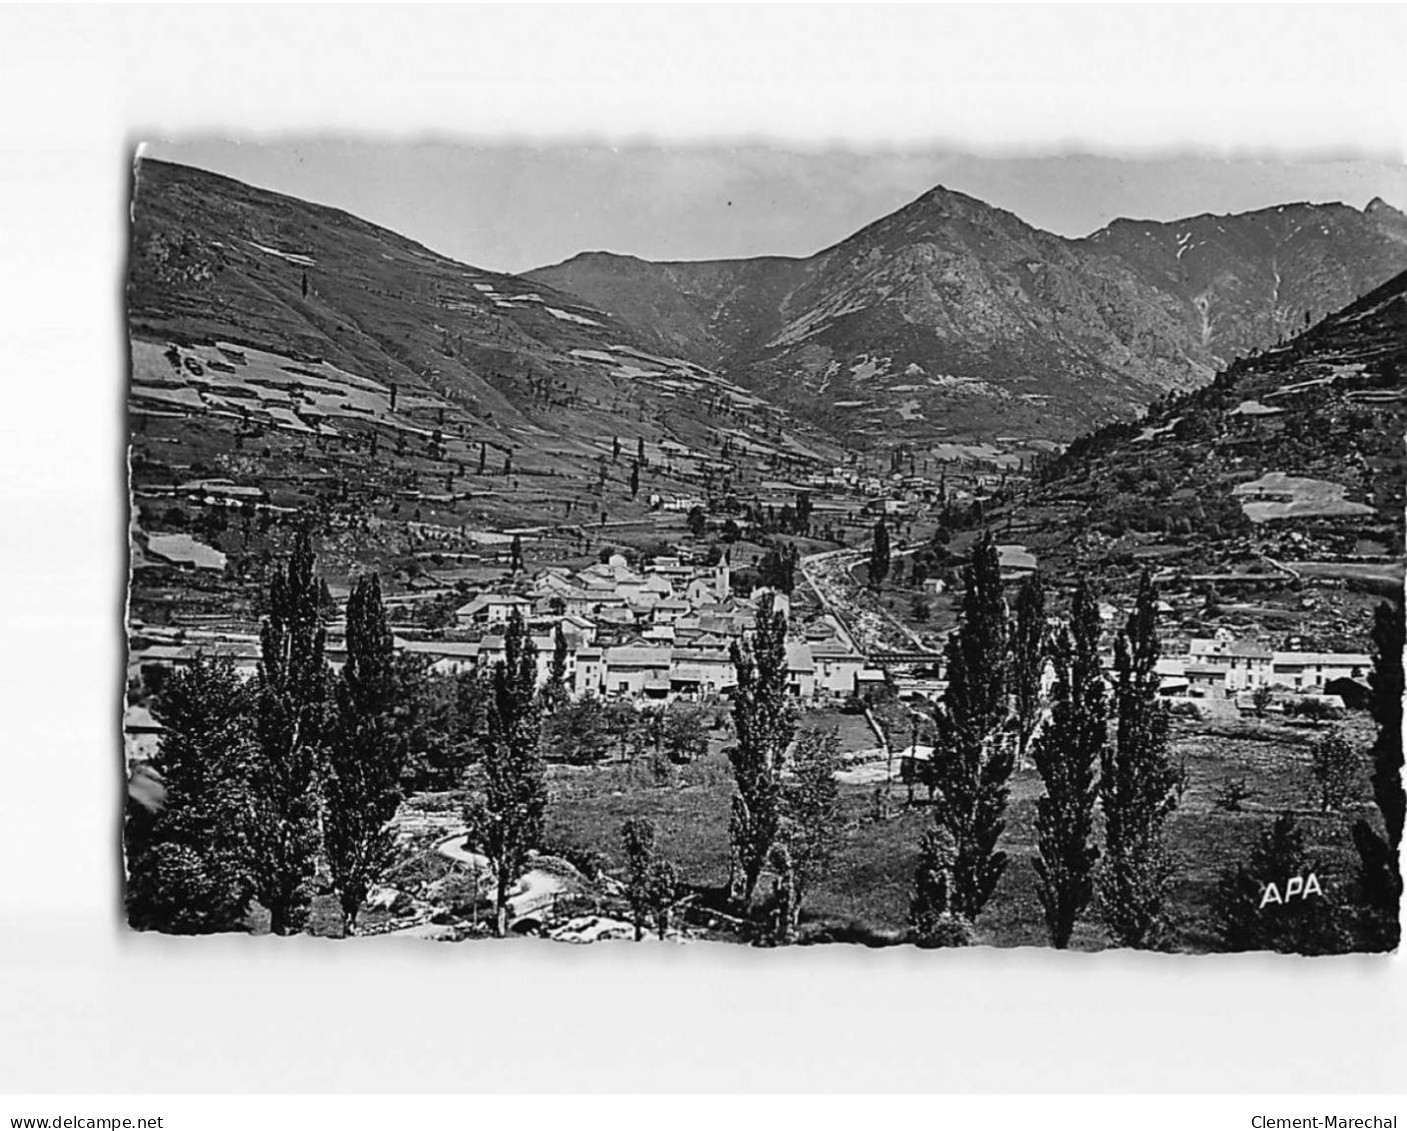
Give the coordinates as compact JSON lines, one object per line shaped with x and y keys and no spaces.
{"x":534,"y":890}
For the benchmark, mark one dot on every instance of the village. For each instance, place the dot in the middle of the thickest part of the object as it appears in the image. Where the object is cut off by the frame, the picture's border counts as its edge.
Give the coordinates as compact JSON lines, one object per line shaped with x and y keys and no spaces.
{"x":663,"y":631}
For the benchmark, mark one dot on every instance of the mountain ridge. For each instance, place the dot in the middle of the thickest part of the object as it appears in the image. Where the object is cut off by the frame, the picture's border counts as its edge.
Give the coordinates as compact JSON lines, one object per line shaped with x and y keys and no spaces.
{"x":961,"y":303}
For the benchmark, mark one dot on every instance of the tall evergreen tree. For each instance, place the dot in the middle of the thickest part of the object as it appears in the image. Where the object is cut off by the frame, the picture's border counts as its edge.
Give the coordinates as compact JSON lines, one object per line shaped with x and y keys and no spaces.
{"x":554,"y":691}
{"x":366,"y":752}
{"x":634,"y":480}
{"x":1137,"y":785}
{"x":778,"y":568}
{"x":973,"y":760}
{"x":515,"y":555}
{"x":187,"y":848}
{"x":879,"y":555}
{"x":1067,"y":754}
{"x":507,"y":821}
{"x":291,"y":693}
{"x":764,"y":722}
{"x":1379,"y":873}
{"x":1028,"y":660}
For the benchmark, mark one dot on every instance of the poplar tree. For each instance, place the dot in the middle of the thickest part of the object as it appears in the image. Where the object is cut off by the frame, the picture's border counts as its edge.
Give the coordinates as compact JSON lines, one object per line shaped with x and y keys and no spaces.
{"x":879,"y":555}
{"x":973,"y":758}
{"x":764,"y":721}
{"x":365,"y":755}
{"x":1379,"y":872}
{"x":291,"y":708}
{"x":554,"y":691}
{"x":1137,"y":785}
{"x":1028,"y":659}
{"x":1067,"y":755}
{"x":507,"y":821}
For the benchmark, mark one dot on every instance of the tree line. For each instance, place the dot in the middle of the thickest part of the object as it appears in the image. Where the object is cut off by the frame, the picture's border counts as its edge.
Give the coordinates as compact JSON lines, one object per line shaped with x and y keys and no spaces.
{"x":261,"y":782}
{"x":271,"y":787}
{"x":1102,"y":753}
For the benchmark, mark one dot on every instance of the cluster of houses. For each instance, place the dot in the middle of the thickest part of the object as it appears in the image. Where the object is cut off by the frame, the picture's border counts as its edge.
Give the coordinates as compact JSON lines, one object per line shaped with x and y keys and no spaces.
{"x":663,"y":632}
{"x":1223,"y":667}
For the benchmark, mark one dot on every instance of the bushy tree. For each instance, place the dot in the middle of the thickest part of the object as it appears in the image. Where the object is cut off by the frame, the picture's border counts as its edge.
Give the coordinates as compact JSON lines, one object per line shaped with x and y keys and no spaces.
{"x":811,"y":820}
{"x":685,"y":733}
{"x":932,"y":913}
{"x":1333,"y":765}
{"x":652,"y":883}
{"x":444,"y":718}
{"x":1247,"y":919}
{"x":506,"y":822}
{"x":764,"y":722}
{"x":973,"y":759}
{"x":187,"y":847}
{"x":366,"y":750}
{"x":291,"y":709}
{"x":578,"y":731}
{"x":1137,"y":785}
{"x":1067,"y":754}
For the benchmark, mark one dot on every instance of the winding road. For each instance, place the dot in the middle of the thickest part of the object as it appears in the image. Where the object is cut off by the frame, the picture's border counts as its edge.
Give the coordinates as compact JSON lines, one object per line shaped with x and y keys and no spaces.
{"x":534,"y":890}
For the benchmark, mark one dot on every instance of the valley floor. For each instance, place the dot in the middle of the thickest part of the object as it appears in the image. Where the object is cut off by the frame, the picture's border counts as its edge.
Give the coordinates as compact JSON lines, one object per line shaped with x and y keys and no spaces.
{"x":865,"y":899}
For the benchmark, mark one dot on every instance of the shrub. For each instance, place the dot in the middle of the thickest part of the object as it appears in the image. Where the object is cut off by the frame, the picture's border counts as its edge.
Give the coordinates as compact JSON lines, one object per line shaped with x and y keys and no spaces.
{"x":1334,"y":768}
{"x":1230,"y":796}
{"x":1246,"y":915}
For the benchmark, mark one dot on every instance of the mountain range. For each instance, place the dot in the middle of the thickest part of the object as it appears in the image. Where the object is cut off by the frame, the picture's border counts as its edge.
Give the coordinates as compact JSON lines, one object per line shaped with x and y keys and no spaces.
{"x":948,"y":320}
{"x":953,"y":318}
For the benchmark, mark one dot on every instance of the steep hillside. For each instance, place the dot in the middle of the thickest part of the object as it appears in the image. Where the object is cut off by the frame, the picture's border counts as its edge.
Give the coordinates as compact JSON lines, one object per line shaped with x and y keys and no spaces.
{"x":1273,"y":496}
{"x":1252,"y":280}
{"x":956,"y":318}
{"x":294,"y":358}
{"x":705,"y":311}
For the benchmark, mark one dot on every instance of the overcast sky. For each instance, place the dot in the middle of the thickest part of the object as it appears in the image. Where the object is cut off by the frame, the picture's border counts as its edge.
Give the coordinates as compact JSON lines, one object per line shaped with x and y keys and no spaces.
{"x":512,"y":207}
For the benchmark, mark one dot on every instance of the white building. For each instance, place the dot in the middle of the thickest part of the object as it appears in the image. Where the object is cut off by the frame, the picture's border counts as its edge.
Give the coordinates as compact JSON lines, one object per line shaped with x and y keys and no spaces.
{"x":492,"y":608}
{"x":1247,"y":665}
{"x":836,"y":667}
{"x":1312,"y":671}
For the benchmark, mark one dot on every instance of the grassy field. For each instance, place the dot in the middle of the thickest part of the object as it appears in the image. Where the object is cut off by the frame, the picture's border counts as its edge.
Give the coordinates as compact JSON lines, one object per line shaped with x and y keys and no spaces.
{"x":866,"y":897}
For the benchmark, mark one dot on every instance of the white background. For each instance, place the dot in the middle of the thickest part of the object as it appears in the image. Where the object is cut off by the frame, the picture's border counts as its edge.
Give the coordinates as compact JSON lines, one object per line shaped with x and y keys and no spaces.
{"x":84,"y":1006}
